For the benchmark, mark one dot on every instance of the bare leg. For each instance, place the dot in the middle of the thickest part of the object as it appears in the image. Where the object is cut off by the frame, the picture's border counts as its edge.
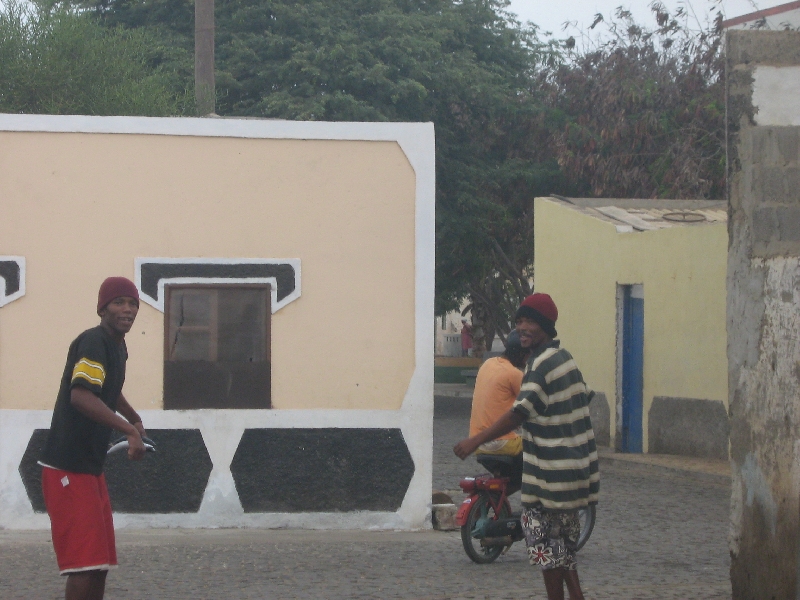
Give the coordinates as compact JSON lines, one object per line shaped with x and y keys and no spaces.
{"x":554,"y":583}
{"x":573,"y":585}
{"x":87,"y":585}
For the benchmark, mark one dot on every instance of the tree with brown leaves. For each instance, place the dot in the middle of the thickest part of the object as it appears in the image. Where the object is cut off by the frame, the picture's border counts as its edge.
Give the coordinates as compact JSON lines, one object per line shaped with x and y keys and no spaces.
{"x":643,"y":111}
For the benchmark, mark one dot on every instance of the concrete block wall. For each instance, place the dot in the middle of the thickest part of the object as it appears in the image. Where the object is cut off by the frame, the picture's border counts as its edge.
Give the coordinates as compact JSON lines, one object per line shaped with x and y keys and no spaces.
{"x":688,"y":427}
{"x":763,"y":105}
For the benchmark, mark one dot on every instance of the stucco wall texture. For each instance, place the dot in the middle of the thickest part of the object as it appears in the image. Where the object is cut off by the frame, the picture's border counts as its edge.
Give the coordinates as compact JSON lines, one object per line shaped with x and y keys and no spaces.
{"x":764,"y":312}
{"x":338,"y":216}
{"x":82,"y":206}
{"x":579,"y":262}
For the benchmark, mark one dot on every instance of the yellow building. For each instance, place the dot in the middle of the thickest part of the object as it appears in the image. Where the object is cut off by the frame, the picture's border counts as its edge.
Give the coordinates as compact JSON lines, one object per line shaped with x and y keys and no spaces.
{"x":640,"y":288}
{"x":267,"y":255}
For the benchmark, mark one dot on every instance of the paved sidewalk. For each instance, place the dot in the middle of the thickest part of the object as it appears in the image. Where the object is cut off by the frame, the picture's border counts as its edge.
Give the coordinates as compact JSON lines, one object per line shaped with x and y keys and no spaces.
{"x":661,"y":534}
{"x":690,"y":464}
{"x":662,"y":521}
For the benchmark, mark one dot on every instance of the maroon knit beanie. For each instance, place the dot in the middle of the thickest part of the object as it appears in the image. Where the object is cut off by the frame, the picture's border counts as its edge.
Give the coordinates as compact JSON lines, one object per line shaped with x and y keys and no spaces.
{"x":115,"y":287}
{"x":541,"y":309}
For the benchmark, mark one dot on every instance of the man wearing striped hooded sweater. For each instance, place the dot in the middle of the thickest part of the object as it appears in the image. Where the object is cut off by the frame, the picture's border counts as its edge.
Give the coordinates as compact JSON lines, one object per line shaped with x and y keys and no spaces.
{"x":561,"y":472}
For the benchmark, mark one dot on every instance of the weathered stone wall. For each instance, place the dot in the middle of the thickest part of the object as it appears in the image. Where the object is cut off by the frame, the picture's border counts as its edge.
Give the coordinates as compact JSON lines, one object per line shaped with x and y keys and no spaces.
{"x":763,"y":68}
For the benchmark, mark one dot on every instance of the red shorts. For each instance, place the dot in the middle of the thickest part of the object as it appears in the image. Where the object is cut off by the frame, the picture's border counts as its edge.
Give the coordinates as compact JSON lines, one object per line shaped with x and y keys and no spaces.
{"x":80,"y":520}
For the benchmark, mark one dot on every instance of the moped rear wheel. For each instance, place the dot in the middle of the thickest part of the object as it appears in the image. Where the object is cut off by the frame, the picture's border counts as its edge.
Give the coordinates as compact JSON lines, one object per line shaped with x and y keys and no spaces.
{"x":587,"y":517}
{"x":482,"y":508}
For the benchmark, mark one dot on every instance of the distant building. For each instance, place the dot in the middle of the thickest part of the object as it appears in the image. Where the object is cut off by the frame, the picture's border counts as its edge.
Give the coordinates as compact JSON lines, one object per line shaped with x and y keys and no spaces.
{"x":448,"y":334}
{"x":784,"y":16}
{"x":640,"y":288}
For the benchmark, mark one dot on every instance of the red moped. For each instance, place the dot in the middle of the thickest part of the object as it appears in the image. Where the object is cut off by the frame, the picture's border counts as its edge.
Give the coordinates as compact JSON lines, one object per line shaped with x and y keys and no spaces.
{"x":488,"y":529}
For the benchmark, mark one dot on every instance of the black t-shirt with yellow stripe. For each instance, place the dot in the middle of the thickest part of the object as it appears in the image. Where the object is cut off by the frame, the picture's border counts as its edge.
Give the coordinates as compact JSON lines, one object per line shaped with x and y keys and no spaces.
{"x":76,"y":443}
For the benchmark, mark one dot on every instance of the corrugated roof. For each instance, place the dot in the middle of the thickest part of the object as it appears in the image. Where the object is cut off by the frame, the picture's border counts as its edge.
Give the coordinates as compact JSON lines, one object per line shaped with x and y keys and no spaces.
{"x":634,"y":214}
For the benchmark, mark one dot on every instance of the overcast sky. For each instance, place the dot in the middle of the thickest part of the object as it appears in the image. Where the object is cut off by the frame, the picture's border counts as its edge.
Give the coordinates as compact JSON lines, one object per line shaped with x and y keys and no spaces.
{"x":549,"y":15}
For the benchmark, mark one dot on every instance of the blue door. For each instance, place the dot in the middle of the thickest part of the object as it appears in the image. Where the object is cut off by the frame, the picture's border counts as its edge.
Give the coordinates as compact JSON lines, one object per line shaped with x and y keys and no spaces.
{"x":632,"y":367}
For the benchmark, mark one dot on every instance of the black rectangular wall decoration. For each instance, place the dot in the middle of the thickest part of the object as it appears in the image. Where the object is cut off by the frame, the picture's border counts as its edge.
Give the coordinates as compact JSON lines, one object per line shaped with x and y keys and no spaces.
{"x":322,"y":470}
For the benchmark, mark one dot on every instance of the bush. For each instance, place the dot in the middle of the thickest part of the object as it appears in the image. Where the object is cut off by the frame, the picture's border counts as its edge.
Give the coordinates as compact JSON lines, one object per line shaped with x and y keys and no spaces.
{"x":64,"y":62}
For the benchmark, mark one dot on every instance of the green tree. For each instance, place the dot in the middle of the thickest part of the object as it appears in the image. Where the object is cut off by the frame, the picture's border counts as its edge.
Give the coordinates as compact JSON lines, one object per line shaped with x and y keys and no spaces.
{"x":638,"y":114}
{"x":61,"y":62}
{"x":464,"y":65}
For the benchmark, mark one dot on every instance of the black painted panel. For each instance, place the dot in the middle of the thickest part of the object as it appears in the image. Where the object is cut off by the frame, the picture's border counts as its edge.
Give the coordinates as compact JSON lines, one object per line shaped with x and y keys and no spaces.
{"x":9,"y":270}
{"x":171,"y":480}
{"x":31,"y":471}
{"x":322,"y":470}
{"x":152,"y":273}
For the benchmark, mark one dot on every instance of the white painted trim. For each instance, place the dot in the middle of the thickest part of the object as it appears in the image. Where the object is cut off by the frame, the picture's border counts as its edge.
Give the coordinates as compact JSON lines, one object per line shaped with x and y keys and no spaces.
{"x":210,"y":281}
{"x":158,"y":304}
{"x":220,"y":507}
{"x":416,"y":415}
{"x":776,"y":95}
{"x":222,"y":431}
{"x":20,"y":260}
{"x":411,"y":136}
{"x":620,"y":350}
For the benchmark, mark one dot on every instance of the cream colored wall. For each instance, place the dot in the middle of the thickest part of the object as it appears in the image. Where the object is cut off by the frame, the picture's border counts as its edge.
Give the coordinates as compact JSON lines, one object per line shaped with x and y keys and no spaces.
{"x":581,"y":259}
{"x":82,"y":206}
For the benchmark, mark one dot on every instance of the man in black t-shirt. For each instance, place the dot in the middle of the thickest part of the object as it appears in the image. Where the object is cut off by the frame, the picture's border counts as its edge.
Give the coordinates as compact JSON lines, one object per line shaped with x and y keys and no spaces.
{"x":85,"y":413}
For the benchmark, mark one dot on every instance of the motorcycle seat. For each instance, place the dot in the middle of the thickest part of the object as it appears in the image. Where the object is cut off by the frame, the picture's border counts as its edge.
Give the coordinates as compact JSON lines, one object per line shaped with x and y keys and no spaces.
{"x":490,"y":460}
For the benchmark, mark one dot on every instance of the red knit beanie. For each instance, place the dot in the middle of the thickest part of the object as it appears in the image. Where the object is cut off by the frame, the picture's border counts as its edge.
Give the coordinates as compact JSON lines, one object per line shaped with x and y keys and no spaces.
{"x":541,"y":309}
{"x":115,"y":287}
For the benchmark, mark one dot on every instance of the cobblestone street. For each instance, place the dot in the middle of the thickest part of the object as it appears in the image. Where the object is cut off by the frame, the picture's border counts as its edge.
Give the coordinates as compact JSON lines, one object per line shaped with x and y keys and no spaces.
{"x":661,"y":533}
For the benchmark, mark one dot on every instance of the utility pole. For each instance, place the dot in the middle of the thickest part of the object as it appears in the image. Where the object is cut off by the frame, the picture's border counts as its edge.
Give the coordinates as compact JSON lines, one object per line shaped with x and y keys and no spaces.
{"x":204,"y":86}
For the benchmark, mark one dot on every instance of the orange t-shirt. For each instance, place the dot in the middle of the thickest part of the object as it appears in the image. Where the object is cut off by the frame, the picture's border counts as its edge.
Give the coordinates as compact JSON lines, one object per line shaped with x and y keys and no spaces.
{"x":496,"y":389}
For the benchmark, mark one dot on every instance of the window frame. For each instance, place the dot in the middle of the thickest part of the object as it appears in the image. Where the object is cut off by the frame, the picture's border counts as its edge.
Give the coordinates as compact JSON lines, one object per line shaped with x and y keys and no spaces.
{"x":213,"y":327}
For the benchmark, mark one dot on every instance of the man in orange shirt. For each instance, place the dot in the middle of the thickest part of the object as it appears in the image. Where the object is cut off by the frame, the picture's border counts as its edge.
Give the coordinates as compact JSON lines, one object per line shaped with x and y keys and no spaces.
{"x":496,"y":389}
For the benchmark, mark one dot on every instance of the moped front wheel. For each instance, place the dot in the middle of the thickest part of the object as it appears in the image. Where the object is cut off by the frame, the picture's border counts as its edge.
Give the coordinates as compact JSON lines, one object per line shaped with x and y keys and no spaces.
{"x":482,"y":509}
{"x":587,"y":517}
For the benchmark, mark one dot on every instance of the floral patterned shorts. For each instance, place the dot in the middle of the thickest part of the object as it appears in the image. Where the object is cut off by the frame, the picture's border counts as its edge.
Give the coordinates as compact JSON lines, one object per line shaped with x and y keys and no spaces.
{"x":551,"y":537}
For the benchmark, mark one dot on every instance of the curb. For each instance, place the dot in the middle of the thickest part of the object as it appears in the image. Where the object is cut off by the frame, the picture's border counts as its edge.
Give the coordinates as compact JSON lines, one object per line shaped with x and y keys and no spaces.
{"x":685,"y":464}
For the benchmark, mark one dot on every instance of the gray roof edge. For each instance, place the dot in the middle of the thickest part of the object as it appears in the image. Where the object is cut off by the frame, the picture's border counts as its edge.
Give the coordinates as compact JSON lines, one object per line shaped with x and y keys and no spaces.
{"x":644,"y":203}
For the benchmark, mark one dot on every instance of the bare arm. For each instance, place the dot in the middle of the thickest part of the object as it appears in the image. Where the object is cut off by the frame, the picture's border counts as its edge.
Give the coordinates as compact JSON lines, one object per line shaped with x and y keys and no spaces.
{"x":127,"y":411}
{"x":505,"y":424}
{"x":91,"y":406}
